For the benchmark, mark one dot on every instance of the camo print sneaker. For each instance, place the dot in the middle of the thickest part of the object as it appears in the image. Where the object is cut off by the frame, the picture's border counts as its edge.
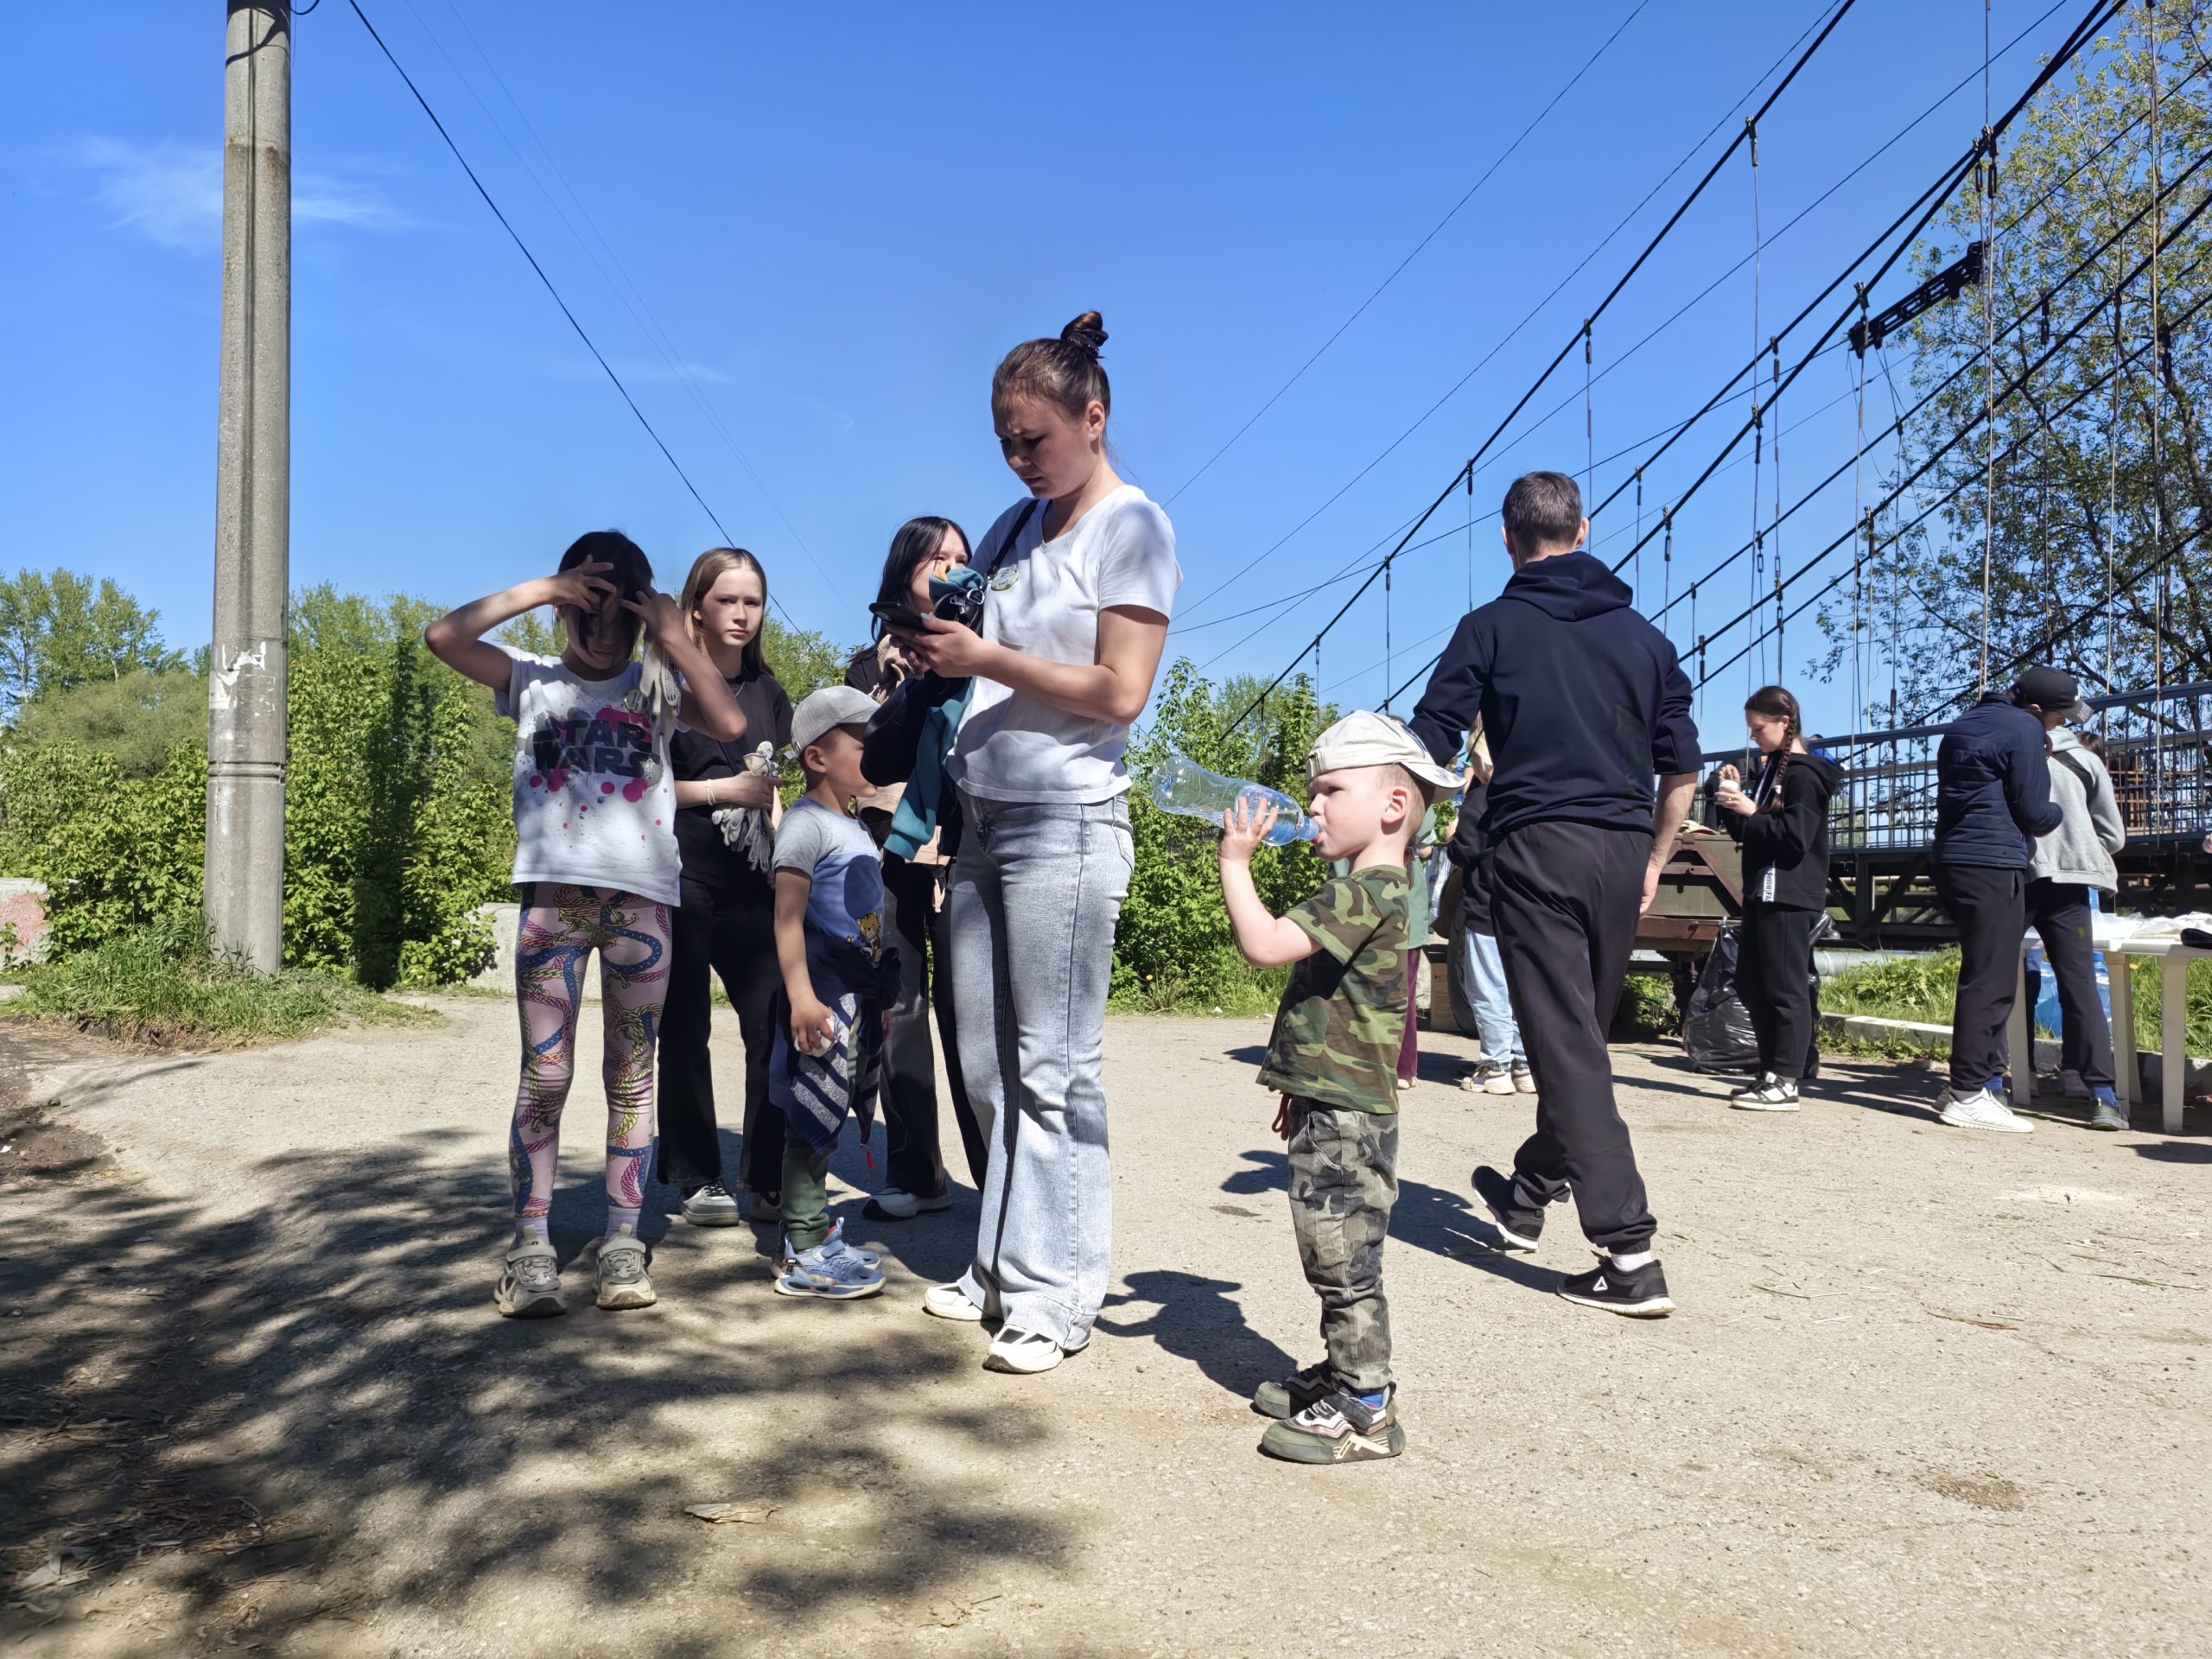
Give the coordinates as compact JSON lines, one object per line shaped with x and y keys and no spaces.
{"x":622,"y":1281}
{"x":1295,"y":1392}
{"x":1519,"y":1224}
{"x":1338,"y":1428}
{"x":530,"y":1285}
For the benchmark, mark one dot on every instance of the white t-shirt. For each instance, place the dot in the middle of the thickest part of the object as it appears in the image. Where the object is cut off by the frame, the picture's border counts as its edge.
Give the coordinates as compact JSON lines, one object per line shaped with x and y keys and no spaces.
{"x":595,"y":797}
{"x":1044,"y":599}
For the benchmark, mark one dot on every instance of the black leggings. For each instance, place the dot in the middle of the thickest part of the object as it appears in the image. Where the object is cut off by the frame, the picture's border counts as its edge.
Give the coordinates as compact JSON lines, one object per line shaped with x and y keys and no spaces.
{"x":729,"y":932}
{"x":913,"y":1162}
{"x":1774,"y":976}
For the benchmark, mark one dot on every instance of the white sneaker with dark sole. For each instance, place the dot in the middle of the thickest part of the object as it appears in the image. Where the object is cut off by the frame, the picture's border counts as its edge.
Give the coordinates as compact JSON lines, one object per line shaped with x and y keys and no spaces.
{"x":712,"y":1206}
{"x":1024,"y":1353}
{"x":1984,"y":1111}
{"x":1768,"y":1094}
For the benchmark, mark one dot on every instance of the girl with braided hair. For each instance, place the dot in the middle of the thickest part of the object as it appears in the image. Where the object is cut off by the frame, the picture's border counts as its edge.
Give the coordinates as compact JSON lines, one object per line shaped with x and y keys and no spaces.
{"x":1781,"y":824}
{"x":596,"y":859}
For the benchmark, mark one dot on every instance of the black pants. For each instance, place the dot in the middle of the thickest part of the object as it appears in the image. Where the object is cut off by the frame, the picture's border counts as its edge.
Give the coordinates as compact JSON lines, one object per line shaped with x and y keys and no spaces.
{"x":1564,"y":899}
{"x":1774,"y":976}
{"x":732,"y":933}
{"x":910,"y":1115}
{"x":1988,"y":905}
{"x":2059,"y":912}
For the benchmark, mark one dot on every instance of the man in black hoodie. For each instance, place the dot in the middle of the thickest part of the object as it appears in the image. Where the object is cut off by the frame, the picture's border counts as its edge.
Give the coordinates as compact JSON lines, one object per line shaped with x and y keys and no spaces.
{"x":1992,"y":798}
{"x":1583,"y":702}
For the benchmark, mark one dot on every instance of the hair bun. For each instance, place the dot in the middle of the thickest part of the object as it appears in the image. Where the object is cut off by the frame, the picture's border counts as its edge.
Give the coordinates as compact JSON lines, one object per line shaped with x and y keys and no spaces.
{"x":1086,"y":333}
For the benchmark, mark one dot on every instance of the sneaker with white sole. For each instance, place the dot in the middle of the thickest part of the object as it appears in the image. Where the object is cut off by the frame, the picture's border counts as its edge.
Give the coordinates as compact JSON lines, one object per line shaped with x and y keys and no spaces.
{"x":1639,"y":1293}
{"x":1768,"y":1094}
{"x":869,"y":1258}
{"x":1984,"y":1110}
{"x":1338,"y":1428}
{"x":530,"y":1285}
{"x":951,"y":1302}
{"x":1519,"y":1223}
{"x":831,"y":1272}
{"x":1024,"y":1353}
{"x":896,"y":1203}
{"x":2107,"y":1113}
{"x":621,"y":1270}
{"x":1524,"y":1081}
{"x":767,"y":1206}
{"x":712,"y":1206}
{"x":1489,"y":1077}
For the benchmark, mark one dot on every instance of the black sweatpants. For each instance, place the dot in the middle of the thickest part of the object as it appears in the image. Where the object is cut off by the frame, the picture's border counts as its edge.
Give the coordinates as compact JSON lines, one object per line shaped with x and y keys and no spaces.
{"x":1988,"y":905}
{"x":1774,"y":976}
{"x":1565,"y":898}
{"x":2059,"y":912}
{"x":729,"y":932}
{"x":914,"y":1163}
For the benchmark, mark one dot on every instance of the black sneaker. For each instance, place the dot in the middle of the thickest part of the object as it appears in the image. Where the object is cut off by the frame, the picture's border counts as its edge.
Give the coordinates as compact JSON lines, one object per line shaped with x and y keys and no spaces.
{"x":1294,"y":1393}
{"x":1338,"y":1428}
{"x":1640,"y":1293}
{"x":2109,"y":1113}
{"x":1519,"y":1224}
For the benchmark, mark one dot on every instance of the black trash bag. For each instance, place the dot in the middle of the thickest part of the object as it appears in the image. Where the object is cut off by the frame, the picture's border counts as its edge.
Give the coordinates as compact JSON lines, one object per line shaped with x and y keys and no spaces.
{"x":1716,"y":1029}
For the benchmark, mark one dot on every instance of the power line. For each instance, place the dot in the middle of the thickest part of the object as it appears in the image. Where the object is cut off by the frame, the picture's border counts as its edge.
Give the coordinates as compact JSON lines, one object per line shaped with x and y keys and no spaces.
{"x":1398,"y":270}
{"x":597,"y":355}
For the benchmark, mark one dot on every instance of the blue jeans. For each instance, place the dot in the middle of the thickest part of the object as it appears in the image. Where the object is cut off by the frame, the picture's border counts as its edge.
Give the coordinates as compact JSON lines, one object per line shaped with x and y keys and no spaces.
{"x":1035,"y":894}
{"x":1483,"y":971}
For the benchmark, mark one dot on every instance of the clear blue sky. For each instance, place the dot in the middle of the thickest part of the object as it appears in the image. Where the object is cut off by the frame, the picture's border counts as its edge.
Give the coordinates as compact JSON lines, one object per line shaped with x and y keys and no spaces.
{"x":839,"y":217}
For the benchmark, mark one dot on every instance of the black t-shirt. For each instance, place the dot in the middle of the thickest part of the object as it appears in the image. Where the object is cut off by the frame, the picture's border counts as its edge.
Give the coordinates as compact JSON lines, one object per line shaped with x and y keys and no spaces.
{"x":707,"y":858}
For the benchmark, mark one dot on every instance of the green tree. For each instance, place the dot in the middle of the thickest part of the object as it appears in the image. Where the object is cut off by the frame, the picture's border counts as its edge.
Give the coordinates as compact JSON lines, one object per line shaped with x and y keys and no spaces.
{"x":2074,"y":450}
{"x":58,"y":629}
{"x":139,"y":720}
{"x":803,"y":659}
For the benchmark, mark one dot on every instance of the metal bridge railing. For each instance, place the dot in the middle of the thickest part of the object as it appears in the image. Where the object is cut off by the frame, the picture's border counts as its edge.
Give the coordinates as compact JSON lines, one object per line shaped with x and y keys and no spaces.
{"x":2158,"y":747}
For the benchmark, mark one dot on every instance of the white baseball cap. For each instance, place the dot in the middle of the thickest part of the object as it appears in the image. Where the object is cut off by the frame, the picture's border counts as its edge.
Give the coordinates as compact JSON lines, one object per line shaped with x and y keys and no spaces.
{"x":820,"y":712}
{"x":1364,"y":738}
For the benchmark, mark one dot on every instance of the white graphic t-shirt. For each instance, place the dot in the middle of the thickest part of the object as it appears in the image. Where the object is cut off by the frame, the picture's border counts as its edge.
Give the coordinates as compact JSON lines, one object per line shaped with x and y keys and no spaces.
{"x":1044,"y":598}
{"x":595,"y":798}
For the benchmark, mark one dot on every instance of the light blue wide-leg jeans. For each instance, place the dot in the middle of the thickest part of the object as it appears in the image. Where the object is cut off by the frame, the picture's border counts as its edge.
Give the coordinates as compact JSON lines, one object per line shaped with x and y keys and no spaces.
{"x":1485,"y":971}
{"x":1036,"y":890}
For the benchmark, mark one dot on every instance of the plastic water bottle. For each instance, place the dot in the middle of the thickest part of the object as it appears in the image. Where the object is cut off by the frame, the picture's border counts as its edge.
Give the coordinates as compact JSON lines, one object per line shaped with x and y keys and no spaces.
{"x":1182,"y":785}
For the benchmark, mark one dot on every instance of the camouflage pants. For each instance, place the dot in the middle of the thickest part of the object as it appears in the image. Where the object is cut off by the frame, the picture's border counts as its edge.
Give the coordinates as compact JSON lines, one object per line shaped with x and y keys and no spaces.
{"x":1343,"y":1178}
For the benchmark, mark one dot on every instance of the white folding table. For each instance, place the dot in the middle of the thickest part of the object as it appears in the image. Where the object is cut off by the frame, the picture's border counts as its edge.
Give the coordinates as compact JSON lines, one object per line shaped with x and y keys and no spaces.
{"x":2173,"y":957}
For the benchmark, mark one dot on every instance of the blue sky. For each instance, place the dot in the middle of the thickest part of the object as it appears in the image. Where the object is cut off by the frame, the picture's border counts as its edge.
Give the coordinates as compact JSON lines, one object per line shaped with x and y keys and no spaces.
{"x":805,"y":236}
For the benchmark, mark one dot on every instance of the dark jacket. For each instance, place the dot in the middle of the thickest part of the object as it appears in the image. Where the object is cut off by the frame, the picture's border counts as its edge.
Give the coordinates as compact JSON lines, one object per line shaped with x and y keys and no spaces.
{"x":1793,"y":842}
{"x":1992,"y":787}
{"x":1469,"y":853}
{"x":1582,"y":699}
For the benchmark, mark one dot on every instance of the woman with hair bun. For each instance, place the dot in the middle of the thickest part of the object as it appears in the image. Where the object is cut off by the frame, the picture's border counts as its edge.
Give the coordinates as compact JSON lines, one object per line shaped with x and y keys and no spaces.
{"x":1782,"y":824}
{"x":1080,"y":580}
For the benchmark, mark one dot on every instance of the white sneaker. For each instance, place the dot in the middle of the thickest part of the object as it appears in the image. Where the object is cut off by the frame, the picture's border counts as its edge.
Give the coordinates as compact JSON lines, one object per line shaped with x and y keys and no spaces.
{"x":1984,"y":1110}
{"x":895,"y":1204}
{"x":951,"y":1302}
{"x":1768,"y":1094}
{"x":1489,"y":1077}
{"x":1524,"y":1081}
{"x":712,"y":1206}
{"x":1023,"y":1352}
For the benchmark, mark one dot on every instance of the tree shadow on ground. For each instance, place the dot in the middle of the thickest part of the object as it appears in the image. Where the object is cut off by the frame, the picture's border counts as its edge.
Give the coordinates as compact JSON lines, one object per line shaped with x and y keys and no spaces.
{"x":1426,"y":1218}
{"x":312,"y":1412}
{"x":1198,"y":1321}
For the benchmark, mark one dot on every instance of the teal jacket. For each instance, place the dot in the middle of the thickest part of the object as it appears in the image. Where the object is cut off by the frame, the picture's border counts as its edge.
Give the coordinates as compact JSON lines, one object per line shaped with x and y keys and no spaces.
{"x":922,"y":805}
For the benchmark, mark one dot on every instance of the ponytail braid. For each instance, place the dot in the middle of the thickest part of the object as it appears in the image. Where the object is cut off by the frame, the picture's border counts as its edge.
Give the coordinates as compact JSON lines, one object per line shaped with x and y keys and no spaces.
{"x":1778,"y":704}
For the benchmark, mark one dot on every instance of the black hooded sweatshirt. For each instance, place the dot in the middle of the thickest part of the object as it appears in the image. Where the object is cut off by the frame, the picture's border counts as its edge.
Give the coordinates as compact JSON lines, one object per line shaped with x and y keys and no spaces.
{"x":1583,"y":701}
{"x":1992,"y":787}
{"x":1794,"y":842}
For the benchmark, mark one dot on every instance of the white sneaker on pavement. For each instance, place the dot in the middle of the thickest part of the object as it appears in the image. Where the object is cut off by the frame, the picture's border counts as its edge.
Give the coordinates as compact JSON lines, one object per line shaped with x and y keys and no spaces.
{"x":1984,"y":1110}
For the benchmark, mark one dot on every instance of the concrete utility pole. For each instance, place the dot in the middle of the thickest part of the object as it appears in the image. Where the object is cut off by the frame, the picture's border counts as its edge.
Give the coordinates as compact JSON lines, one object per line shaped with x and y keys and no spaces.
{"x":246,"y":737}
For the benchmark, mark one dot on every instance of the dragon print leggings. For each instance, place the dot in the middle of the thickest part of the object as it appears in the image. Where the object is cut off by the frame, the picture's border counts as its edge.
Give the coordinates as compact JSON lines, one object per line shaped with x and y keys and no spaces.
{"x":560,"y":927}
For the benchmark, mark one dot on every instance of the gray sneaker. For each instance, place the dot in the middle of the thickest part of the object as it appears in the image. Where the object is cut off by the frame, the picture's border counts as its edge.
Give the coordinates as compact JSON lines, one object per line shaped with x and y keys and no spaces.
{"x":622,"y":1281}
{"x":830,"y":1271}
{"x":530,"y":1286}
{"x":712,"y":1206}
{"x":2109,"y":1113}
{"x":1984,"y":1110}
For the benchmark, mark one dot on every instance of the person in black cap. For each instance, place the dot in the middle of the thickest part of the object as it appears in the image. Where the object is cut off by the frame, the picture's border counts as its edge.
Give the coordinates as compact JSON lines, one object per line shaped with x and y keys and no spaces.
{"x":1993,"y":799}
{"x":1583,"y":702}
{"x":2068,"y":863}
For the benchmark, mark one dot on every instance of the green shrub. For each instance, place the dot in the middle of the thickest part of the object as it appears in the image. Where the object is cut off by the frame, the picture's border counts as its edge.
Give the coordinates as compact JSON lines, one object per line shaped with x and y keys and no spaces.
{"x":162,"y":984}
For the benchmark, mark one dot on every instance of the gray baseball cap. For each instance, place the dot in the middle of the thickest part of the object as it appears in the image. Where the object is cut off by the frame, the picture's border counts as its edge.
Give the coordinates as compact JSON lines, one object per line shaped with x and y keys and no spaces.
{"x":821,"y":711}
{"x":1364,"y":738}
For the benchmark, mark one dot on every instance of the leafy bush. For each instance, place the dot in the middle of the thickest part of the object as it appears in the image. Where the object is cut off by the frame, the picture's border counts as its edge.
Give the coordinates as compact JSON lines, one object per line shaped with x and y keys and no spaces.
{"x":162,"y":984}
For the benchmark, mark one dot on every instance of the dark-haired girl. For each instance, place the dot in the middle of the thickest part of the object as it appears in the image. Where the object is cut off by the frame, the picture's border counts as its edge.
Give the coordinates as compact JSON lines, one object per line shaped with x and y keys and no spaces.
{"x":1782,"y":824}
{"x":595,"y":857}
{"x":726,"y":811}
{"x":1079,"y":581}
{"x":918,"y":825}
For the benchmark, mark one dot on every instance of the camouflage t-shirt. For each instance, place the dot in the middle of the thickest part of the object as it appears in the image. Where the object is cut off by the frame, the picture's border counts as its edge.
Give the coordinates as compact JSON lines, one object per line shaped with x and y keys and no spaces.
{"x":1343,"y":1017}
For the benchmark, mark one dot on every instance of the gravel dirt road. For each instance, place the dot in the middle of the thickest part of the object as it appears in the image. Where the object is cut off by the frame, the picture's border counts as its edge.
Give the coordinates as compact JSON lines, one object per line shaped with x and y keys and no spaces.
{"x":1929,"y":1392}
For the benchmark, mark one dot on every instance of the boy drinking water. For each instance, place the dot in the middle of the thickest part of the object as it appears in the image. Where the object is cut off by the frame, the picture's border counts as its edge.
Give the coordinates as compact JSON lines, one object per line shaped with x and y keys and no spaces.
{"x":1333,"y":1057}
{"x":839,"y":984}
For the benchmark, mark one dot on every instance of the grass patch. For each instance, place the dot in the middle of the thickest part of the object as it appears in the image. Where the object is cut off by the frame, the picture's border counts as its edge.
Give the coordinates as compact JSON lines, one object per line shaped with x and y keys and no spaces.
{"x":1226,"y":990}
{"x":164,"y":985}
{"x":1922,"y":988}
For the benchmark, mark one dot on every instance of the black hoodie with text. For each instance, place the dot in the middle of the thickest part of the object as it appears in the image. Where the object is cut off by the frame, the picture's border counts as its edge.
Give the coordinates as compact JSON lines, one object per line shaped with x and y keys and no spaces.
{"x":1583,"y":701}
{"x":1786,"y":841}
